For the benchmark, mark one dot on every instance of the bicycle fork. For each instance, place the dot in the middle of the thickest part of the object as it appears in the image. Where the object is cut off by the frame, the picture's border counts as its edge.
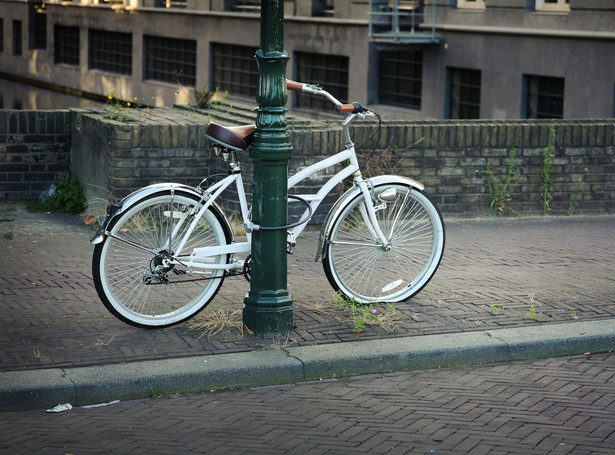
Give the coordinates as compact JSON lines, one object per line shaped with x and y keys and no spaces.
{"x":368,"y":212}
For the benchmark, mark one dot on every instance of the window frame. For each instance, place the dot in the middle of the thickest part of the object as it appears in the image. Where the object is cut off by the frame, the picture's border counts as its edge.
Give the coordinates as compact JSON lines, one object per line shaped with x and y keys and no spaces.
{"x":17,"y":38}
{"x":230,"y":62}
{"x":60,"y":57}
{"x":456,"y":101}
{"x":534,"y":97}
{"x":472,"y":4}
{"x":115,"y":51}
{"x":157,"y":60}
{"x":560,"y":6}
{"x":396,"y":76}
{"x":334,"y":67}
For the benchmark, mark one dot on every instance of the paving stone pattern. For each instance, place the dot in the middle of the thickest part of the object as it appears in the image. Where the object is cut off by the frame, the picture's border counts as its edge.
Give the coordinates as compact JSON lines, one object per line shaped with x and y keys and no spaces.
{"x":556,"y":406}
{"x":492,"y":275}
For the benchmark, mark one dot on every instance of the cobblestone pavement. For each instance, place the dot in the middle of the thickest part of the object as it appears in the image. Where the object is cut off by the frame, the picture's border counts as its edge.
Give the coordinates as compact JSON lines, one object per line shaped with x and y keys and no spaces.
{"x":555,"y":406}
{"x":495,"y":274}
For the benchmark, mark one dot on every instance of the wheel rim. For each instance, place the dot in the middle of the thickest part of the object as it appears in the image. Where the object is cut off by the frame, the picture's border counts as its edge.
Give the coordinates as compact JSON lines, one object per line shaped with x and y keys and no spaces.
{"x":124,"y":268}
{"x":363,"y":269}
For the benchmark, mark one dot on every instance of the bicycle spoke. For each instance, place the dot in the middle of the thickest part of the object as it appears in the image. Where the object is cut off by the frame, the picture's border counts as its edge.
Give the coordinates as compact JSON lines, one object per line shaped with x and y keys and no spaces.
{"x":361,"y":268}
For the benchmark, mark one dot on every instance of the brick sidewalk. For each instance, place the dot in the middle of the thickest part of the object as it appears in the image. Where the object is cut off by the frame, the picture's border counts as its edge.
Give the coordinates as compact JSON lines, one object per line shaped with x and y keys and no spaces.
{"x":495,"y":273}
{"x":553,"y":406}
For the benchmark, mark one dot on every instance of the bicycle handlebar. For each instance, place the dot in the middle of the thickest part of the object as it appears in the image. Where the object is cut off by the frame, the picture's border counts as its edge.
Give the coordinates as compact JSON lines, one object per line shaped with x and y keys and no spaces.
{"x":354,"y":108}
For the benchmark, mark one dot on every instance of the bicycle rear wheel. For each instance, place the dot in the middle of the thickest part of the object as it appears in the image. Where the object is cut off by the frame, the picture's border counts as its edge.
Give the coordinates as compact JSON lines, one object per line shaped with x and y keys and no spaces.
{"x":131,"y":275}
{"x":355,"y":262}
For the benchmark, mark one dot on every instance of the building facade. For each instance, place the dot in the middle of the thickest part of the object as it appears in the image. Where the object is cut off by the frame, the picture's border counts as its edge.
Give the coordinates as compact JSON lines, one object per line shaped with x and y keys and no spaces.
{"x":413,"y":59}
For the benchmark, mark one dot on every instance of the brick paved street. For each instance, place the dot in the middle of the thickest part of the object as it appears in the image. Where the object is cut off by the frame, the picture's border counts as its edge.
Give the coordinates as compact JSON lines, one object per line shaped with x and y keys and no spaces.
{"x":555,"y":406}
{"x":492,"y":275}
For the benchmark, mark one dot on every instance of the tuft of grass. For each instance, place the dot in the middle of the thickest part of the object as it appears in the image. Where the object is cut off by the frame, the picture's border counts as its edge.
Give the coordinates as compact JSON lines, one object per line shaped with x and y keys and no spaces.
{"x":495,"y":309}
{"x":363,"y":314}
{"x":9,"y":235}
{"x":213,"y":321}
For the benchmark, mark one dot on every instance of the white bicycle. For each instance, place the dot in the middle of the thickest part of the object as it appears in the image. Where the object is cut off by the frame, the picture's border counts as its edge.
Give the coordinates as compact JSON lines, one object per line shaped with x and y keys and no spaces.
{"x":162,"y":253}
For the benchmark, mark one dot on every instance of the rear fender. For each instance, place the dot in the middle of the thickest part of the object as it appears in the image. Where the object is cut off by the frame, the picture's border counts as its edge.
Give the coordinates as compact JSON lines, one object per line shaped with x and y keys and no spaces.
{"x":115,"y":210}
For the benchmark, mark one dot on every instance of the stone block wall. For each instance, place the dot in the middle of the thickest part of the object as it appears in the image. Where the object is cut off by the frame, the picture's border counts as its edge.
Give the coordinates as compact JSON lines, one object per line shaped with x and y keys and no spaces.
{"x":455,"y":160}
{"x":35,"y":151}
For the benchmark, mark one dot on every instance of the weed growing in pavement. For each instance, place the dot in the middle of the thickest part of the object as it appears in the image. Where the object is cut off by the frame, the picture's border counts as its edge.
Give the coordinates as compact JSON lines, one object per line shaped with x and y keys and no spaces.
{"x":213,"y":321}
{"x":158,"y":394}
{"x":68,"y":198}
{"x":362,"y":314}
{"x":9,"y":235}
{"x":532,"y":313}
{"x":495,"y":309}
{"x":203,"y":99}
{"x":501,"y":188}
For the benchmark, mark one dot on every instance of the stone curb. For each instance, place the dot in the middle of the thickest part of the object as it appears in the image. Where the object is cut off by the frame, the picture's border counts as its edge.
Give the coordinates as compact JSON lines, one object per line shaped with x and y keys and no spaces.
{"x":32,"y":389}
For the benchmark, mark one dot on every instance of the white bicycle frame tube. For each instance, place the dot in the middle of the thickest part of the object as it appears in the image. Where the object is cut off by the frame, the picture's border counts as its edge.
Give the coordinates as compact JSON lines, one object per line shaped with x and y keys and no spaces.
{"x":198,"y":257}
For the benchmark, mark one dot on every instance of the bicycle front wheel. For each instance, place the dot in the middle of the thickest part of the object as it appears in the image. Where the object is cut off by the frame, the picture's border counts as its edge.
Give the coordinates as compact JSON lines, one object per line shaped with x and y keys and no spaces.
{"x":355,"y":261}
{"x":131,"y":271}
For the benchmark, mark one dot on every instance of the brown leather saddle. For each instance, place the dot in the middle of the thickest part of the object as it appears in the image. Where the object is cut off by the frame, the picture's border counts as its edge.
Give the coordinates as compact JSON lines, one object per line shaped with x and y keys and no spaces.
{"x":233,"y":137}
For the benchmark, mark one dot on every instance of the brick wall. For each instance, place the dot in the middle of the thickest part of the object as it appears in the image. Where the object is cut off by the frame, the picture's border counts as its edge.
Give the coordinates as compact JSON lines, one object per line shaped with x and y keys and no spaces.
{"x":35,"y":151}
{"x":452,"y":158}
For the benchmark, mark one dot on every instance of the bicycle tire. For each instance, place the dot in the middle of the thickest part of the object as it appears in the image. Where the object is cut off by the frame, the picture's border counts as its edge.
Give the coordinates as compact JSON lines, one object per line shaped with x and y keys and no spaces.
{"x":355,"y":262}
{"x":124,"y":275}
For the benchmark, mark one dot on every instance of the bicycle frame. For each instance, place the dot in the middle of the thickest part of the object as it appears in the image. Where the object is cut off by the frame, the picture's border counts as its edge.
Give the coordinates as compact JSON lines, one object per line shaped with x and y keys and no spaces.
{"x":201,"y":258}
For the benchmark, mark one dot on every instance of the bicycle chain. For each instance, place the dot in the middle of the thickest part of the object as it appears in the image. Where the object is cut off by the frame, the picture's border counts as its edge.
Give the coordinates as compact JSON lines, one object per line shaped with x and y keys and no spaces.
{"x":245,"y":272}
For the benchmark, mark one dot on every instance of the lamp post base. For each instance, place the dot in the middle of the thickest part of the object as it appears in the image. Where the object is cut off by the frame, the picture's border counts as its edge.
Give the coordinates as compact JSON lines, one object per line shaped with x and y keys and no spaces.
{"x":268,"y":313}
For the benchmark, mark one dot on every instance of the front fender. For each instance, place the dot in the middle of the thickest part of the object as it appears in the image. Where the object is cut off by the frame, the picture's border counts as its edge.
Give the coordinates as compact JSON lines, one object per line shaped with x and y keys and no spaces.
{"x":116,"y":209}
{"x":348,"y":196}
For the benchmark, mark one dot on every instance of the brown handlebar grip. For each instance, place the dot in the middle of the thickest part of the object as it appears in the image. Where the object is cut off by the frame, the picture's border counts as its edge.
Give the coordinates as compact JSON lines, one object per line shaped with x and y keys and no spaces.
{"x":345,"y":107}
{"x":292,"y":85}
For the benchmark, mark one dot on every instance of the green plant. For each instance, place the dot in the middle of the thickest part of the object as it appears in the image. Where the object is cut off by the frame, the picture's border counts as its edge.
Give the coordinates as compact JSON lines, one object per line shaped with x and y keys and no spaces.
{"x":158,"y":394}
{"x":362,"y":314}
{"x":116,"y":108}
{"x":501,"y":188}
{"x":548,"y":154}
{"x":495,"y":309}
{"x":574,"y":198}
{"x":69,"y":196}
{"x":203,"y":98}
{"x":9,"y":235}
{"x":532,"y":313}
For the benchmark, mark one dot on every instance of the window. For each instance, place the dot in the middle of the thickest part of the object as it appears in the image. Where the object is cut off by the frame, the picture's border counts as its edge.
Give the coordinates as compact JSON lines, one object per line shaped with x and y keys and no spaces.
{"x":66,"y":45}
{"x":170,"y":60}
{"x":234,"y":69}
{"x":38,"y":27}
{"x":400,"y":75}
{"x":170,"y":3}
{"x":246,"y":6}
{"x":330,"y":71}
{"x":553,"y":5}
{"x":471,"y":4}
{"x":544,"y":97}
{"x":17,"y":47}
{"x":323,"y":8}
{"x":110,"y":51}
{"x":464,"y":93}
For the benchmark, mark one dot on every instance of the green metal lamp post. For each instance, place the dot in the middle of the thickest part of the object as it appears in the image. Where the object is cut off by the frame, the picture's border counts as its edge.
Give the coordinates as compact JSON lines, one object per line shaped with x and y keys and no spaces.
{"x":268,"y":306}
